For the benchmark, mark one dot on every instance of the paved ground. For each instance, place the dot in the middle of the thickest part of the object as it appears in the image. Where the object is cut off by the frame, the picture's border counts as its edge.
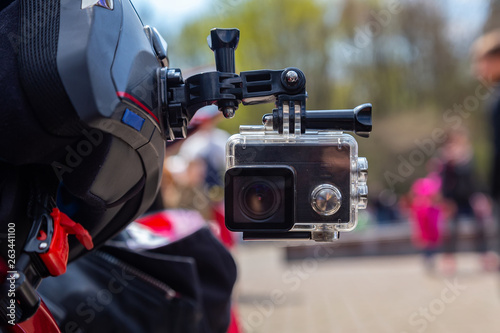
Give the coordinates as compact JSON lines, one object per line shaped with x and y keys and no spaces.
{"x":379,"y":294}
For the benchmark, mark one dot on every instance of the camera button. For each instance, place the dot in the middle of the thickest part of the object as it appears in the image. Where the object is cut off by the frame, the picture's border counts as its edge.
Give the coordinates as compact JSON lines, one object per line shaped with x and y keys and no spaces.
{"x":326,"y":199}
{"x":362,"y":196}
{"x":362,"y":164}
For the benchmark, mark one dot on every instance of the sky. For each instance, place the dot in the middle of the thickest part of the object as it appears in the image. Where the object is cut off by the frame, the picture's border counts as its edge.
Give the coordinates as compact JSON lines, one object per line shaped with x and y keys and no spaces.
{"x":171,"y":15}
{"x":465,"y":16}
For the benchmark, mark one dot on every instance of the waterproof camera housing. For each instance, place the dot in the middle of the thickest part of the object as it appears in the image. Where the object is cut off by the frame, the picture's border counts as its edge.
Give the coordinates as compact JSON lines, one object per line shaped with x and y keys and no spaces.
{"x":290,"y":185}
{"x":297,"y":175}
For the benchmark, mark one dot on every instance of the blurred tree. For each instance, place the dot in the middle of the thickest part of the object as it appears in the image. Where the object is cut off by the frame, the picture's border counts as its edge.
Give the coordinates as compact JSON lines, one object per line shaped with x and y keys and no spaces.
{"x":400,"y":57}
{"x":397,"y":56}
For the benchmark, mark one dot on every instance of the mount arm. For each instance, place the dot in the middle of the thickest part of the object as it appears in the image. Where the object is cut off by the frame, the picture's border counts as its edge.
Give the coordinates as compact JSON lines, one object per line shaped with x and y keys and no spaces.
{"x":286,"y":88}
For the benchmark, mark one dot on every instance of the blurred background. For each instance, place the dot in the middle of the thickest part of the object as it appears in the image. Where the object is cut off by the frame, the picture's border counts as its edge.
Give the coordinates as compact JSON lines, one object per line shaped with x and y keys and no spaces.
{"x":412,"y":61}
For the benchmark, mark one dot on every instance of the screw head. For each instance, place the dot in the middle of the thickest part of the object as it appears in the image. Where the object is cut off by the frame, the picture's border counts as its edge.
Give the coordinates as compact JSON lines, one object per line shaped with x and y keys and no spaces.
{"x":43,"y":246}
{"x":267,"y":118}
{"x":292,"y":77}
{"x":229,"y":112}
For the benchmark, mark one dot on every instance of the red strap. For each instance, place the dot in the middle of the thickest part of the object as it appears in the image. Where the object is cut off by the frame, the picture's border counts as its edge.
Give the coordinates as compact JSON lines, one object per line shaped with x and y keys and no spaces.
{"x":73,"y":228}
{"x":56,"y":258}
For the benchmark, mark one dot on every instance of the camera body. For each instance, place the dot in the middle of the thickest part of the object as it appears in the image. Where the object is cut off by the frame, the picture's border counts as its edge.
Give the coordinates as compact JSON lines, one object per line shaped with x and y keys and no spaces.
{"x":293,"y":185}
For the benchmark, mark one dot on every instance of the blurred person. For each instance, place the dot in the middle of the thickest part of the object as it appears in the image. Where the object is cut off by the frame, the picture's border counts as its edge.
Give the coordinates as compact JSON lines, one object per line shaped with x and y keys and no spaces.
{"x":196,"y":169}
{"x":461,"y":190}
{"x":193,"y":178}
{"x":208,"y":146}
{"x":425,"y":206}
{"x":178,"y":276}
{"x":161,"y":241}
{"x":486,"y":67}
{"x":385,"y":207}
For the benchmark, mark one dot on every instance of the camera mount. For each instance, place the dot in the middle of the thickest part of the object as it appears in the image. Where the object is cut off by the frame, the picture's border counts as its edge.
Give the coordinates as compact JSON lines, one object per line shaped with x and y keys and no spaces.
{"x":290,"y":126}
{"x":181,"y":99}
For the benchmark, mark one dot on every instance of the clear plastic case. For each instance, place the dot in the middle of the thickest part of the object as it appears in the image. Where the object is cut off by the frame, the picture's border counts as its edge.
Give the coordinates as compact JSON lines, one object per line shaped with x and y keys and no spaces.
{"x":319,"y":160}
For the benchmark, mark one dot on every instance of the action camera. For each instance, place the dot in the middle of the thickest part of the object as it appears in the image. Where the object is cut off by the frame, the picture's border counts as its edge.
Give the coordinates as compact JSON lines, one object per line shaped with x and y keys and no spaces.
{"x":296,"y":185}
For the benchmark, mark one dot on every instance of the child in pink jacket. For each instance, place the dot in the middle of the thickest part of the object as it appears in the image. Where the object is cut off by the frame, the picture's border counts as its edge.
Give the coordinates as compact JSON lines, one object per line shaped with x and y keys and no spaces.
{"x":426,"y":213}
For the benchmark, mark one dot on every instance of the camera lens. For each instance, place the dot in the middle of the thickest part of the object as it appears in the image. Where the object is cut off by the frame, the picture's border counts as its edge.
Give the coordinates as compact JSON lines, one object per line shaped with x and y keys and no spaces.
{"x":260,"y":200}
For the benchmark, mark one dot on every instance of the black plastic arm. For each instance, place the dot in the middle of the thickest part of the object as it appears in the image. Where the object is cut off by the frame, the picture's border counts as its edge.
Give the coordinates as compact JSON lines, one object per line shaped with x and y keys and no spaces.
{"x":358,"y":120}
{"x":252,"y":87}
{"x":265,"y":86}
{"x":223,"y":42}
{"x":181,"y":99}
{"x":286,"y":88}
